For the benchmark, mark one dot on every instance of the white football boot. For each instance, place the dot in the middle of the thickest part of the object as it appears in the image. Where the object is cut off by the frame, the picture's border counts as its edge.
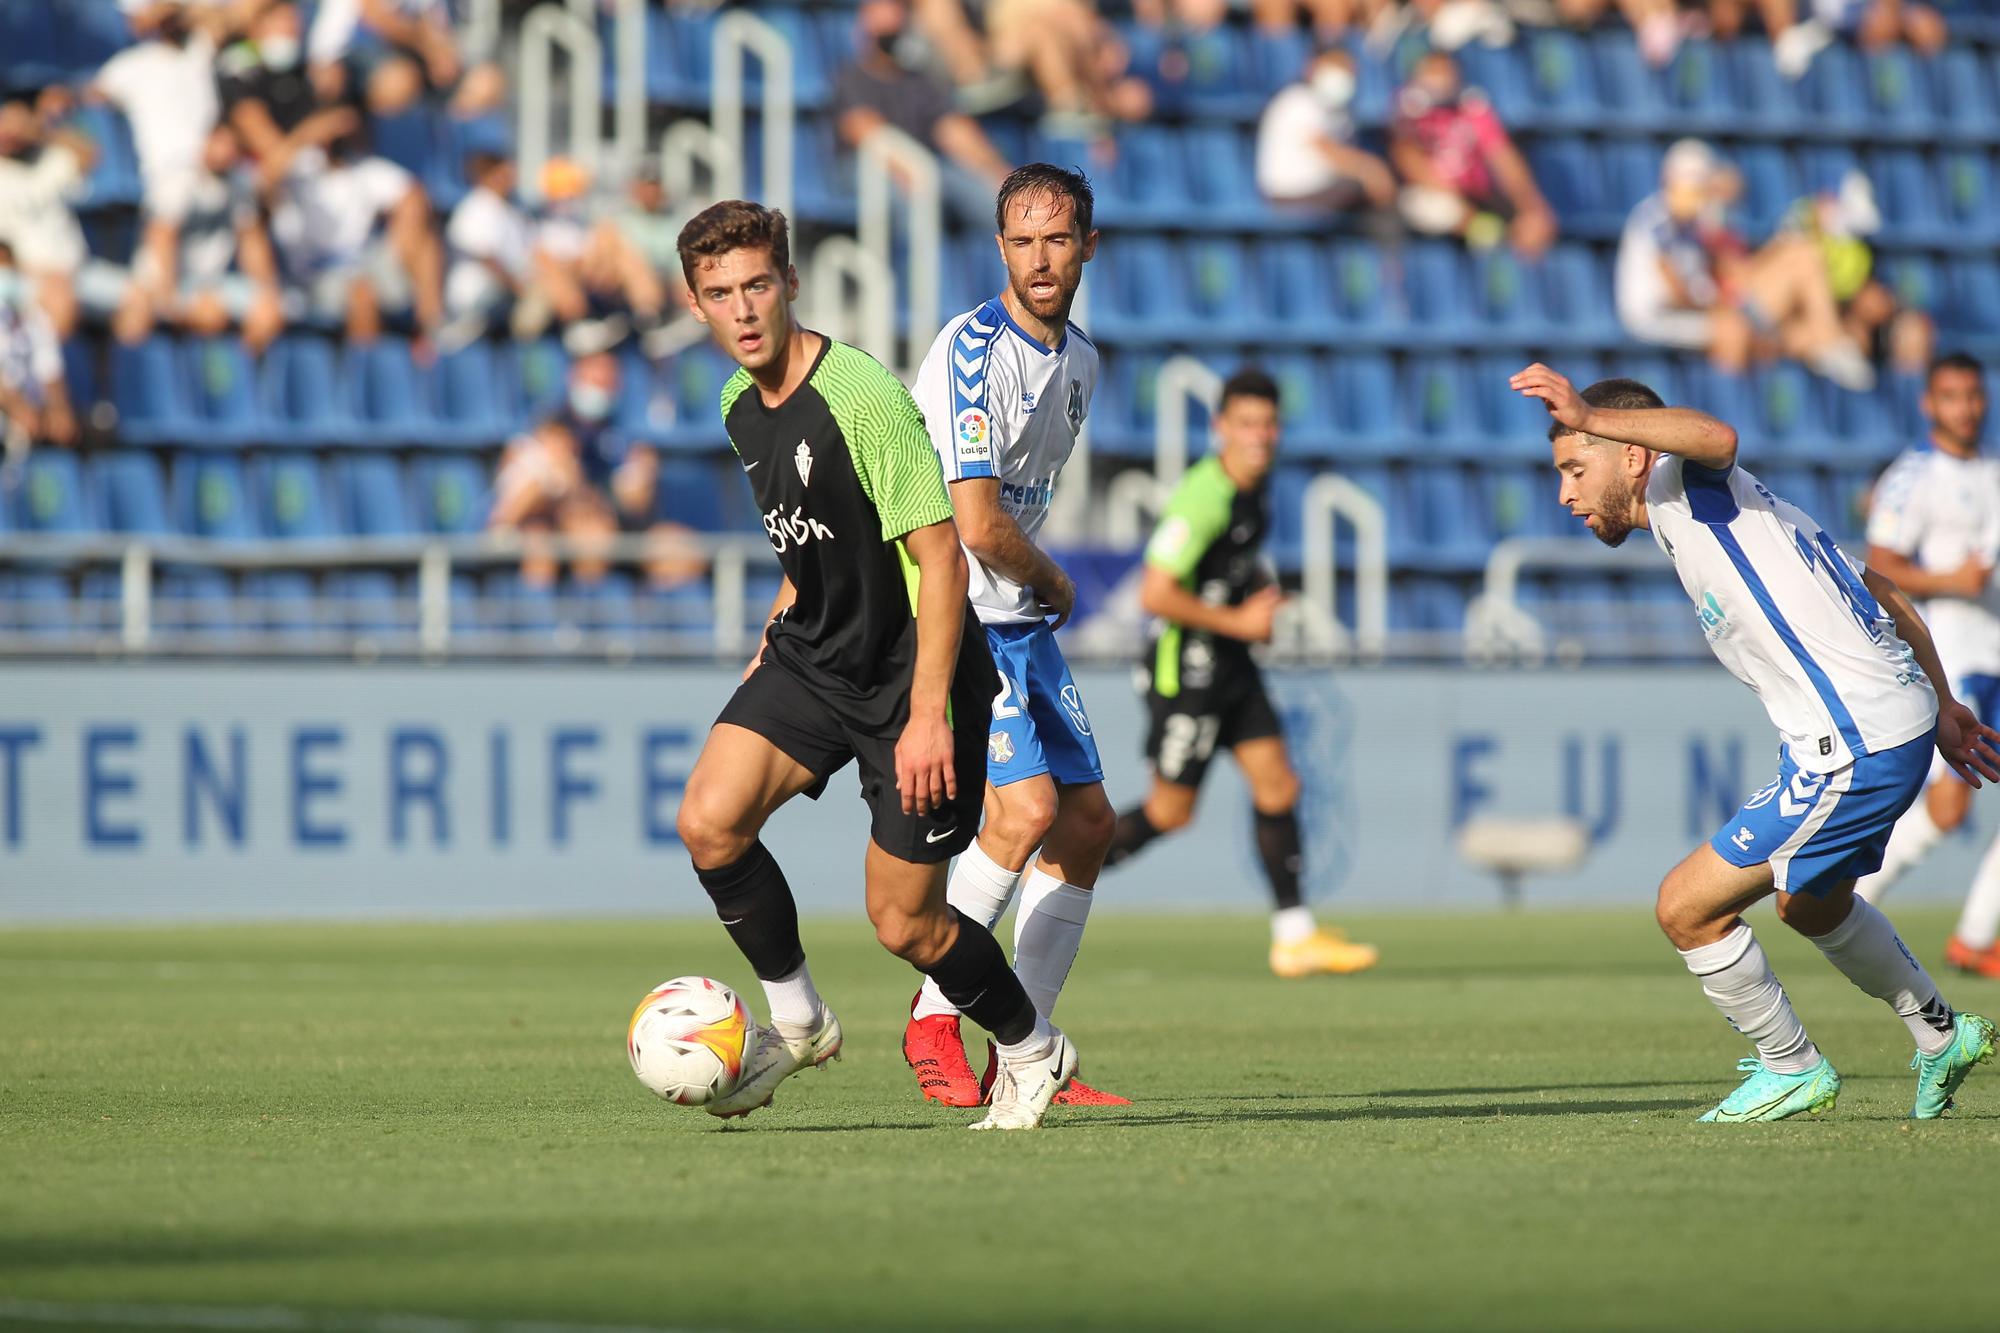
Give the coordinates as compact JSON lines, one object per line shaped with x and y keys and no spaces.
{"x":778,"y":1056}
{"x":1023,"y":1089}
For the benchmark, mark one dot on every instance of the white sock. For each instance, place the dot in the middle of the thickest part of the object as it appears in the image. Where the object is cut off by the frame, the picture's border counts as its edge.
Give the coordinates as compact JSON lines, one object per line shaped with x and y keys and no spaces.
{"x":1737,"y":979}
{"x":981,"y":888}
{"x":1032,"y":1046}
{"x":1048,"y":930}
{"x":1866,"y":950}
{"x":1289,"y":925}
{"x":1909,"y":842}
{"x":793,"y":1000}
{"x":1979,"y":923}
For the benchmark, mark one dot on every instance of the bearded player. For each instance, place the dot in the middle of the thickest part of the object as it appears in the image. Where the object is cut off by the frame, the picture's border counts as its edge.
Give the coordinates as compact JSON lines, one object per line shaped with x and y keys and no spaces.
{"x":1005,"y":389}
{"x":1851,"y":680}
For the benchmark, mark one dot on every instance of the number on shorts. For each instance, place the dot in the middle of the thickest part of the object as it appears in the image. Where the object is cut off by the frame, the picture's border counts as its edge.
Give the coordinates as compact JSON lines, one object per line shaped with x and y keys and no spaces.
{"x":1188,"y":738}
{"x":1002,"y":710}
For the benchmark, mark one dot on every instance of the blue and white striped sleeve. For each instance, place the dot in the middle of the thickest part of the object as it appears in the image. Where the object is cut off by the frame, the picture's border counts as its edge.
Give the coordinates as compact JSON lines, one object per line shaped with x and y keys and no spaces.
{"x":969,"y":429}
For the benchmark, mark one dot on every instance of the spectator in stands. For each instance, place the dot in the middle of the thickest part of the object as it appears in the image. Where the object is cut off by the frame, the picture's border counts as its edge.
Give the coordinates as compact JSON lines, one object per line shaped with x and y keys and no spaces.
{"x":42,"y":169}
{"x":1837,"y":222}
{"x":585,"y":270}
{"x":268,"y":98}
{"x":878,"y":89}
{"x":1307,"y":158}
{"x":34,"y":401}
{"x":1075,"y":59}
{"x":576,"y":475}
{"x":1683,"y":280}
{"x":1462,"y":174}
{"x":1872,"y":23}
{"x":1658,"y":25}
{"x":165,"y":86}
{"x":354,"y":238}
{"x":398,"y":50}
{"x":211,"y":267}
{"x":491,"y":240}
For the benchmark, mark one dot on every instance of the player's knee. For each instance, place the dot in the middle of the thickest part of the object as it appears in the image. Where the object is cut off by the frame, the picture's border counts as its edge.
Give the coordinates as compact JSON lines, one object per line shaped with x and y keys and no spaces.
{"x":919,"y":940}
{"x":712,"y":838}
{"x":1096,"y":822}
{"x":1169,"y":818}
{"x":1680,"y":920}
{"x":1277,"y":795}
{"x":1027,"y":812}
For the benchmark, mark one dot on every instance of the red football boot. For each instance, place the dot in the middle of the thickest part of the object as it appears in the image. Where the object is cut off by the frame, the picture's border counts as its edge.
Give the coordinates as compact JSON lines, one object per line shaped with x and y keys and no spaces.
{"x":1078,"y":1093}
{"x":1980,"y":962}
{"x":934,"y":1049}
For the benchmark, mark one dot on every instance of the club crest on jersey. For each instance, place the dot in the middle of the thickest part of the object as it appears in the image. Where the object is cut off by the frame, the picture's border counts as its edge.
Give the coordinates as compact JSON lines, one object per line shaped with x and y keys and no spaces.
{"x":1000,"y":746}
{"x":803,"y":458}
{"x":969,"y":427}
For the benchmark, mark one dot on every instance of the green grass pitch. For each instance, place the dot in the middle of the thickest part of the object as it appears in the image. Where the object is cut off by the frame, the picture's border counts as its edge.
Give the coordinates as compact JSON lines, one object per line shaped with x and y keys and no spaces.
{"x":1494,"y":1130}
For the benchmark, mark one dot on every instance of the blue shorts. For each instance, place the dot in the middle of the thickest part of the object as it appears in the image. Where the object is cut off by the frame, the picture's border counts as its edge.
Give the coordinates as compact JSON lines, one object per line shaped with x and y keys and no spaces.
{"x":1818,"y":829}
{"x":1039,"y":725}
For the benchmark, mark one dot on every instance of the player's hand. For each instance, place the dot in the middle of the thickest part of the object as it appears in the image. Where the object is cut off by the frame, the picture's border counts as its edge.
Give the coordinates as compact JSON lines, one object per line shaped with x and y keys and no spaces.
{"x":1967,"y":744}
{"x":1254,"y":618}
{"x":1969,"y":579}
{"x":1058,"y":600}
{"x":1555,"y":392}
{"x":925,"y":777}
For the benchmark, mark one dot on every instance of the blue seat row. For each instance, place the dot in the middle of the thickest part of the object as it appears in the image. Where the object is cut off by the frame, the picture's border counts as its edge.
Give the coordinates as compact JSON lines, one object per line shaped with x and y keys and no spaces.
{"x":273,"y":495}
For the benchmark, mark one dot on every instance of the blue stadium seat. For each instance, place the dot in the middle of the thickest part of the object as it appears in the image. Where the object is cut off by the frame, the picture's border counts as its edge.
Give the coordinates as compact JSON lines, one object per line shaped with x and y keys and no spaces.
{"x":1221,"y":181}
{"x":194,"y":599}
{"x":1500,"y":74}
{"x":1631,"y":173}
{"x":1148,"y":183}
{"x":1966,"y":195}
{"x":1438,"y":404}
{"x":1514,"y":427}
{"x":1570,"y":174}
{"x":211,"y":498}
{"x":678,"y":55}
{"x":1769,"y":102}
{"x":88,"y":33}
{"x":1454,"y":528}
{"x":1788,"y":411}
{"x":1306,"y":403}
{"x":1221,"y":294}
{"x":1576,"y":288}
{"x":1520,"y":501}
{"x":1114,"y":429}
{"x":1971,"y":305}
{"x":291,"y":498}
{"x":1364,"y":305}
{"x":149,"y":391}
{"x":1903,"y":94}
{"x":302,"y":394}
{"x":370,"y":487}
{"x":973,"y":272}
{"x":37,"y":604}
{"x":1506,"y":297}
{"x":1835,"y":92}
{"x":1906,"y":191}
{"x":450,"y":494}
{"x":471,"y":408}
{"x":1295,"y":283}
{"x":114,"y":181}
{"x":699,"y":375}
{"x":1561,"y":80}
{"x":1770,"y":185}
{"x":1864,"y":425}
{"x":368,"y":602}
{"x":28,"y":36}
{"x":1276,"y":59}
{"x":1966,"y":91}
{"x":281,"y":602}
{"x":133,"y":492}
{"x":388,"y":400}
{"x":54,"y":495}
{"x":691,"y":493}
{"x":1632,"y":95}
{"x":1141,"y":291}
{"x":1697,"y":90}
{"x":1435,"y":279}
{"x":222,"y":385}
{"x":539,"y":378}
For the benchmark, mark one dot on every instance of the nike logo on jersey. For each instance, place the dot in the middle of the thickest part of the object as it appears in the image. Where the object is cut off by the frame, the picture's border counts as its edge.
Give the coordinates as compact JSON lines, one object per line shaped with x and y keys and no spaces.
{"x":940,"y":837}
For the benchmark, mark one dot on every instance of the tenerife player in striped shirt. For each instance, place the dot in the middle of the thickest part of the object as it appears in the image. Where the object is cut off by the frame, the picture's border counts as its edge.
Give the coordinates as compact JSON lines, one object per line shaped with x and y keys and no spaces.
{"x":1851,"y":680}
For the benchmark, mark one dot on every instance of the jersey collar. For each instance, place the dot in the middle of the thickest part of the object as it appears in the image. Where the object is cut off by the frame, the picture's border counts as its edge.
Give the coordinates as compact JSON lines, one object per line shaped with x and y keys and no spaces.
{"x":1000,"y":308}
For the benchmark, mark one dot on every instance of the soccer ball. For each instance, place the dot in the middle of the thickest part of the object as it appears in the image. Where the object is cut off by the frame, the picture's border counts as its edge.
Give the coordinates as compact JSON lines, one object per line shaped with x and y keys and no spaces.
{"x":688,"y":1040}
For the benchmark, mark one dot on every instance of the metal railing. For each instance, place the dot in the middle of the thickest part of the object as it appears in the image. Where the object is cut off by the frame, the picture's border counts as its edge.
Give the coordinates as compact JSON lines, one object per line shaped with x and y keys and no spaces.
{"x":1498,"y":629}
{"x":546,"y":28}
{"x":720,"y":147}
{"x":432,"y":625}
{"x":892,"y":166}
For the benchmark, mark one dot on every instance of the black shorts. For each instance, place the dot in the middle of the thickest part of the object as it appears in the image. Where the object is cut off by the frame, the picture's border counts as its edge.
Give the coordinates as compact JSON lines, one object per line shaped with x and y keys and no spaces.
{"x":1187,"y":729}
{"x":789,"y":713}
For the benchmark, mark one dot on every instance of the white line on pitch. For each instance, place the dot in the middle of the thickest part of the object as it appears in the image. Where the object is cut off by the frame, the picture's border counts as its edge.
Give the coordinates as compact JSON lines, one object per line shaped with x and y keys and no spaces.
{"x":284,"y":1319}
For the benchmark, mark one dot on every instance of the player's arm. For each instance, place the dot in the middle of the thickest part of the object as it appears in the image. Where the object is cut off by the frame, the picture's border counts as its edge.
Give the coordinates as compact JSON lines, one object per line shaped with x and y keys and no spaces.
{"x":1965,"y":742}
{"x":1968,"y":580}
{"x":1162,"y":594}
{"x":991,"y":534}
{"x":1695,"y":436}
{"x":787,"y":594}
{"x":924,"y":772}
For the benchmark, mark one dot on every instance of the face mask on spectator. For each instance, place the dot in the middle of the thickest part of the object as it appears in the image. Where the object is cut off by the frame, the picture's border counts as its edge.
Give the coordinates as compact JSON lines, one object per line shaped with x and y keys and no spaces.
{"x":590,"y":402}
{"x":1333,"y":85}
{"x":279,"y":54}
{"x":10,"y":286}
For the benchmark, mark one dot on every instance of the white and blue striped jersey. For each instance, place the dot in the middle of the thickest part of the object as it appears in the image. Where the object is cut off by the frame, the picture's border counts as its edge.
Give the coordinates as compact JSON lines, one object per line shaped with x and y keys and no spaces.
{"x":1000,"y":404}
{"x":1786,"y":611}
{"x":1941,"y":511}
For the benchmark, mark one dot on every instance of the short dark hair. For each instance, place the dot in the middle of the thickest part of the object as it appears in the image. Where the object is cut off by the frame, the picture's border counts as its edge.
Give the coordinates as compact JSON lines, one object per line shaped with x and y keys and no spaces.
{"x":734,"y":224}
{"x":1953,"y":361}
{"x":1047,"y":178}
{"x":1620,"y":395}
{"x":1249,"y":382}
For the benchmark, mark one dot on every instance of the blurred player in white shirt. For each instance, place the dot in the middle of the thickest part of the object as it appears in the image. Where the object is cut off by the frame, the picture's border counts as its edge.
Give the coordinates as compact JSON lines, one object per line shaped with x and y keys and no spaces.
{"x":1935,"y":530}
{"x":1004,"y":391}
{"x":1850,"y":679}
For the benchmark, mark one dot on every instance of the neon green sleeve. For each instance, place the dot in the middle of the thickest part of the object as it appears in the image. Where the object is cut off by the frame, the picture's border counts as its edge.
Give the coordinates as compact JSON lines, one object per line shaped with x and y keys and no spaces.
{"x":1197,"y":514}
{"x":885,"y":433}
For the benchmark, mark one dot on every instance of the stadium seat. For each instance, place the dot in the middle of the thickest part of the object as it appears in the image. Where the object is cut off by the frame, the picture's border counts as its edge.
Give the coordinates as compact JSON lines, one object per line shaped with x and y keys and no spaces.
{"x":28,"y":36}
{"x":1222,"y":186}
{"x":149,"y":391}
{"x":1966,"y":195}
{"x":1906,"y":191}
{"x":1454,"y":523}
{"x":114,"y":181}
{"x":368,"y":601}
{"x":1364,"y":304}
{"x":1306,"y":403}
{"x":1966,"y":95}
{"x":1697,"y":92}
{"x":1576,"y":288}
{"x":370,"y":491}
{"x":388,"y":401}
{"x":691,"y":492}
{"x":211,"y":498}
{"x":699,"y":375}
{"x":281,"y":602}
{"x":1571,"y":177}
{"x":54,"y":495}
{"x":450,"y":494}
{"x":302,"y":393}
{"x":1221,"y":295}
{"x":291,"y":498}
{"x":1972,"y":297}
{"x":1499,"y":73}
{"x":1770,"y":186}
{"x":1767,"y":100}
{"x":1505,"y":298}
{"x":1631,"y":173}
{"x":133,"y":492}
{"x":1560,"y":80}
{"x":1835,"y":92}
{"x":469,"y":403}
{"x":1436,"y":282}
{"x":39,"y":605}
{"x":222,"y":385}
{"x":1902,"y":93}
{"x":1438,"y":404}
{"x":1295,"y":285}
{"x":194,"y":599}
{"x":1632,"y":95}
{"x":539,"y":376}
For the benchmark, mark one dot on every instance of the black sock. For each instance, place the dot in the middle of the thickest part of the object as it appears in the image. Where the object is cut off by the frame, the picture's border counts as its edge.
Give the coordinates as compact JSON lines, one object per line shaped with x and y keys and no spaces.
{"x":1133,"y":832}
{"x":974,"y":976}
{"x":757,"y":908}
{"x":1278,"y":845}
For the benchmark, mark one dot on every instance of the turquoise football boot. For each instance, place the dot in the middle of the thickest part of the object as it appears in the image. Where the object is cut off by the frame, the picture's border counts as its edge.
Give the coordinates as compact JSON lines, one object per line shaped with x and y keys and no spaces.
{"x":1766,"y":1095}
{"x":1938,"y":1076}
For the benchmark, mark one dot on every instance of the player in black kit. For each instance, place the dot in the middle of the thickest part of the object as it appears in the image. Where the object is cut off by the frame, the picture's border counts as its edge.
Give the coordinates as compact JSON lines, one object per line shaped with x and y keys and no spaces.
{"x":871,"y":654}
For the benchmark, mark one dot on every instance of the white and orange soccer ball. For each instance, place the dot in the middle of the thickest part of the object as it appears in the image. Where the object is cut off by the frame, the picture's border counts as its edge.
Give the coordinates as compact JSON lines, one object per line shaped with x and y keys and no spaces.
{"x":688,"y":1040}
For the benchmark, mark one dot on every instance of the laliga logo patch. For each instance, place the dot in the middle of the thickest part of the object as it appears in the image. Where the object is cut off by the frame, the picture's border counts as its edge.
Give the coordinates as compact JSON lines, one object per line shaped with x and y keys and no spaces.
{"x":970,"y":426}
{"x":1072,"y":702}
{"x":1000,"y":746}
